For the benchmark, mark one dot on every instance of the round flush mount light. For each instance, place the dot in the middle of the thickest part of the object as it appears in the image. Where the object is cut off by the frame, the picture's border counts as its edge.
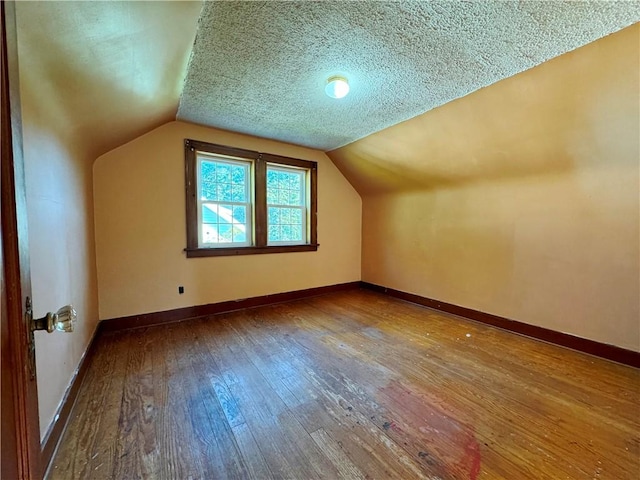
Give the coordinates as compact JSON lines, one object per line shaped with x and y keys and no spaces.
{"x":337,"y":87}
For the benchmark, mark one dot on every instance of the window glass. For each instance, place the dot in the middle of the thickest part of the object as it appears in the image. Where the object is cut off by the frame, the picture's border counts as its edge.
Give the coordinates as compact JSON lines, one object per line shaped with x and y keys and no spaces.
{"x":243,"y":202}
{"x":286,"y":205}
{"x":224,"y":202}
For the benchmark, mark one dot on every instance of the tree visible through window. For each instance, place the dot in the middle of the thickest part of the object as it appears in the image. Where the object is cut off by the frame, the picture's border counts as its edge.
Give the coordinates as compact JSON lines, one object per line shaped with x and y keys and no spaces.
{"x":243,"y":202}
{"x":286,"y":205}
{"x":224,"y":202}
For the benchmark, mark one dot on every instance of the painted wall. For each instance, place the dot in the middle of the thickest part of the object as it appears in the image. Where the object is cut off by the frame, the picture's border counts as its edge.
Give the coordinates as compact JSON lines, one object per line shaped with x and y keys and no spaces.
{"x":521,"y":199}
{"x":91,"y":79}
{"x":61,"y":243}
{"x":140,"y":230}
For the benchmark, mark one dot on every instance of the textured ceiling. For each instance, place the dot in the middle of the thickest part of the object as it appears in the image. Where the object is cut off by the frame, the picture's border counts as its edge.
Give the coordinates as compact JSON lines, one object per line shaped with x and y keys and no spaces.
{"x":577,"y":111}
{"x":260,"y":67}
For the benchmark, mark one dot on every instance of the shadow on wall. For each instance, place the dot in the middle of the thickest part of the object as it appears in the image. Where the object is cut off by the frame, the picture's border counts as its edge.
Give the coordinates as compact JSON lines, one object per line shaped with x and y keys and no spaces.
{"x":519,"y":200}
{"x":489,"y":135}
{"x":96,"y":82}
{"x":528,"y":125}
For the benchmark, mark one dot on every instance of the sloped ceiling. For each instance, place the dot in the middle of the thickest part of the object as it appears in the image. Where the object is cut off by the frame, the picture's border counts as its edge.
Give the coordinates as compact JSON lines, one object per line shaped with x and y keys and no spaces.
{"x":260,"y":67}
{"x":103,"y":73}
{"x":580,"y":110}
{"x":106,"y":72}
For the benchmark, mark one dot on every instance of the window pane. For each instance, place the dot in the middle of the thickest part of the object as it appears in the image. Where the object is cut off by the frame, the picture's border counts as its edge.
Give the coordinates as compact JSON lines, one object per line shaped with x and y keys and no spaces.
{"x":274,"y":233}
{"x":239,"y":214}
{"x":285,"y":215}
{"x":293,"y":197}
{"x":209,"y":233}
{"x":285,"y":197}
{"x":209,"y":213}
{"x":239,"y":235}
{"x":296,"y":233}
{"x":238,"y":193}
{"x":224,"y":192}
{"x":223,"y":173}
{"x":223,"y":181}
{"x":286,"y":233}
{"x":224,"y":232}
{"x":274,"y":215}
{"x":208,"y":181}
{"x":225,"y":213}
{"x":208,"y":169}
{"x":295,"y":182}
{"x":296,"y":216}
{"x":285,"y":224}
{"x":224,"y":222}
{"x":272,"y":196}
{"x":272,"y":178}
{"x":238,"y":175}
{"x":285,"y":187}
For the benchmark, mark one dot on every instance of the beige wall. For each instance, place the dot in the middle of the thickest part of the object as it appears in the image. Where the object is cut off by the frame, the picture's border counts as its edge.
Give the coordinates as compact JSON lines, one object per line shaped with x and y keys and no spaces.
{"x":61,"y":243}
{"x":140,"y":230}
{"x":521,"y":199}
{"x":81,"y":98}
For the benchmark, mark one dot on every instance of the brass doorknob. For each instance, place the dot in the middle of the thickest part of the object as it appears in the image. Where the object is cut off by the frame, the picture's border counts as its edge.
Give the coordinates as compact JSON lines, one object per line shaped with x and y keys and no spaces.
{"x":62,"y":321}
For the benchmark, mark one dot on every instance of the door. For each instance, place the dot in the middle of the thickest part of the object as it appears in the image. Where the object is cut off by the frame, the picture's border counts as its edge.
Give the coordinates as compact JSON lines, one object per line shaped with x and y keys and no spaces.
{"x":20,"y":440}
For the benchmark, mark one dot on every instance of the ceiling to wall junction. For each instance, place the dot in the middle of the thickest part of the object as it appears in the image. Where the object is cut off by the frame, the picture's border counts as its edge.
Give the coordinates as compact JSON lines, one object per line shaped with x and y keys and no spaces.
{"x":106,"y":72}
{"x":260,"y":67}
{"x":575,"y":112}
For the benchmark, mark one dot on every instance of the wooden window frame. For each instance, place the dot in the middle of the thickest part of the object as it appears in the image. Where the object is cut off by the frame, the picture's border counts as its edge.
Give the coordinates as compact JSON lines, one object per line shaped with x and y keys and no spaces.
{"x":259,"y":217}
{"x":302,"y":208}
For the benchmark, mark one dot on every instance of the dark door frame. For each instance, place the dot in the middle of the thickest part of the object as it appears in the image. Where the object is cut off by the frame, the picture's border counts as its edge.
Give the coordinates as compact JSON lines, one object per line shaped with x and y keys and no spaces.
{"x":21,"y":454}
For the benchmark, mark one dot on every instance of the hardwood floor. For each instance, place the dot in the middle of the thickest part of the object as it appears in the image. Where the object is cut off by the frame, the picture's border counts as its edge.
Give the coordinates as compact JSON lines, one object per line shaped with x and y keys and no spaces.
{"x":348,"y":385}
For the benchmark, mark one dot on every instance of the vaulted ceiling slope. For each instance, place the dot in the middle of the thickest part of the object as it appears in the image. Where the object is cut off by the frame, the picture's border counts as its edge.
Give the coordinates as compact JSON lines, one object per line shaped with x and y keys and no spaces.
{"x":576,"y":113}
{"x":102,"y":73}
{"x":105,"y":72}
{"x":260,"y":67}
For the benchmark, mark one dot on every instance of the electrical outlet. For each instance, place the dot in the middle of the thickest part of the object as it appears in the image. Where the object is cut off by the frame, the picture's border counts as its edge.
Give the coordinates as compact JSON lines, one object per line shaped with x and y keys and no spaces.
{"x":180,"y":289}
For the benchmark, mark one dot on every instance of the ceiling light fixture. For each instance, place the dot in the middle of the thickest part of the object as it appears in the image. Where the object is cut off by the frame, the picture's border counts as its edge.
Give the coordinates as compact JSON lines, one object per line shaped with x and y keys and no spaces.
{"x":337,"y":87}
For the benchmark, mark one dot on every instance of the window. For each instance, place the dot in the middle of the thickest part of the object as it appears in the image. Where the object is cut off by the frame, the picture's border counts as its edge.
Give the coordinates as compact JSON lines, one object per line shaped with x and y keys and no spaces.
{"x":243,"y":202}
{"x":224,"y":204}
{"x":286,"y":205}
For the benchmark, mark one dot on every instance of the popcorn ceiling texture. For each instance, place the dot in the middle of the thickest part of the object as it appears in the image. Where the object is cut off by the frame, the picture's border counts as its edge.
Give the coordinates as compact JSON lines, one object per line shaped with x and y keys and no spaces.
{"x":260,"y":67}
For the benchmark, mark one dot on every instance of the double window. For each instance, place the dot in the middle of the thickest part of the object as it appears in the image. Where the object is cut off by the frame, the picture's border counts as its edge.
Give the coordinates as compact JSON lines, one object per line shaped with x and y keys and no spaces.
{"x":244,"y":202}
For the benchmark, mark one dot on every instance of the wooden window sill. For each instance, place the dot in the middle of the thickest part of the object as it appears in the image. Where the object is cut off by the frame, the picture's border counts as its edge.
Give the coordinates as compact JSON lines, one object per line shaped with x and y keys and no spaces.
{"x":230,"y":251}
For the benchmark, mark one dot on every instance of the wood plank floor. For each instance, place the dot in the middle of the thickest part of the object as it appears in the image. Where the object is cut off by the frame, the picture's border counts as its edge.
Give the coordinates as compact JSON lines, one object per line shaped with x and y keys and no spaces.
{"x":348,"y":385}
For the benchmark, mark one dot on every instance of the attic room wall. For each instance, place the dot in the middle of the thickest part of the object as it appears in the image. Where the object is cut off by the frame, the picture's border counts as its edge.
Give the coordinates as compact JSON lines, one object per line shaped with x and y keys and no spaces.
{"x":520,"y":200}
{"x":61,"y":243}
{"x":140,"y":230}
{"x":92,"y":75}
